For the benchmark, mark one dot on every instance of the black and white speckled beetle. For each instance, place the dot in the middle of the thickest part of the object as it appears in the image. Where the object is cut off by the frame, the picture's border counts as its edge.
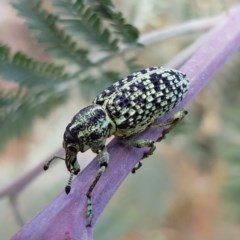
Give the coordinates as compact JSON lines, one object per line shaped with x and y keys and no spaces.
{"x":127,"y":107}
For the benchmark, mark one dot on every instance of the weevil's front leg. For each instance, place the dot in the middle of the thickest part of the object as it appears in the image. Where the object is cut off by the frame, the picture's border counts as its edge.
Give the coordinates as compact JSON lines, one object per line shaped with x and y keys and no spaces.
{"x":103,"y":161}
{"x":140,"y":144}
{"x":171,"y":122}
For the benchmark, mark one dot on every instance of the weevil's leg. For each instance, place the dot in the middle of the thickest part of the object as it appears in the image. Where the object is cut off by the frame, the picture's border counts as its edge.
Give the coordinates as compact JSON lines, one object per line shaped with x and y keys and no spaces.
{"x":103,"y":161}
{"x":139,"y":164}
{"x":177,"y":117}
{"x":140,"y":144}
{"x":172,"y":122}
{"x":68,"y":187}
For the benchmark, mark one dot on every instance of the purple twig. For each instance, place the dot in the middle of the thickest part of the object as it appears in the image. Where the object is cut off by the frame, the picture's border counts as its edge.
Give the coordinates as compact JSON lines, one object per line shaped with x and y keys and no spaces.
{"x":65,"y":218}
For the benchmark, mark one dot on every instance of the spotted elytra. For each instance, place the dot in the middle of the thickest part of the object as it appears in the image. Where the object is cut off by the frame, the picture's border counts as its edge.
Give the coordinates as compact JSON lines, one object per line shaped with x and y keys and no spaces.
{"x":129,"y":106}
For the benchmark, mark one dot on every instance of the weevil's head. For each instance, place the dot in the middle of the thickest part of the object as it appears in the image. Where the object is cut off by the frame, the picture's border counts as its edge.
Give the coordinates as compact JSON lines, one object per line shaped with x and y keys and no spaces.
{"x":89,"y":128}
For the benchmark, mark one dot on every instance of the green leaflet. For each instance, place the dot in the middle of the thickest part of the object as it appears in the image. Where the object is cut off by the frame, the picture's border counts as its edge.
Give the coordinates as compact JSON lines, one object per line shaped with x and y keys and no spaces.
{"x":81,"y":20}
{"x":127,"y":32}
{"x":44,"y":26}
{"x":19,"y":110}
{"x":27,"y":71}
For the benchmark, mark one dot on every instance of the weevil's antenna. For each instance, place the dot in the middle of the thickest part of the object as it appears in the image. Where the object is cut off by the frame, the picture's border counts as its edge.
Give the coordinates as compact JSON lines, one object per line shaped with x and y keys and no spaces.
{"x":68,"y":187}
{"x":46,"y":166}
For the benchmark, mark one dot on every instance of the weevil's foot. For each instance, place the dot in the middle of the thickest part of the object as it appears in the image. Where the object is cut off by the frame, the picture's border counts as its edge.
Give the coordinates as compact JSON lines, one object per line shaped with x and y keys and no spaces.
{"x":89,"y":225}
{"x":145,"y":155}
{"x":137,"y":167}
{"x":67,"y":189}
{"x":149,"y":152}
{"x":164,"y":133}
{"x":185,"y":112}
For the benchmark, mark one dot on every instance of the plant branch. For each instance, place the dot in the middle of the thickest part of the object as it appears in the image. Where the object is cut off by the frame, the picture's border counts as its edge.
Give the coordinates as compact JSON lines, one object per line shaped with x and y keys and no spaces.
{"x":193,"y":26}
{"x":186,"y":53}
{"x":65,"y":217}
{"x":157,"y":36}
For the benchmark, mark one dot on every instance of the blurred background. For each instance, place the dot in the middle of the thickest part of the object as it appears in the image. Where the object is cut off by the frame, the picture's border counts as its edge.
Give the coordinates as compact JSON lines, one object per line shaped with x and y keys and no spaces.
{"x":188,"y":190}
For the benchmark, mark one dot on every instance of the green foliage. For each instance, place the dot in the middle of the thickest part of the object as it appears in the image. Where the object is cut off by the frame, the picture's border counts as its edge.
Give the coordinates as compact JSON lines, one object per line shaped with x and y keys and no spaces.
{"x":57,"y":42}
{"x":74,"y":34}
{"x":19,"y":110}
{"x":84,"y":22}
{"x":106,"y":9}
{"x":33,"y":97}
{"x":27,"y":71}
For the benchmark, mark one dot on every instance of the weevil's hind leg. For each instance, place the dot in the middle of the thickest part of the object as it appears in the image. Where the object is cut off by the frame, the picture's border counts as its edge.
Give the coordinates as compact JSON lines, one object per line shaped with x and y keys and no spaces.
{"x":140,"y":144}
{"x":171,"y":122}
{"x":139,"y":165}
{"x":103,"y":160}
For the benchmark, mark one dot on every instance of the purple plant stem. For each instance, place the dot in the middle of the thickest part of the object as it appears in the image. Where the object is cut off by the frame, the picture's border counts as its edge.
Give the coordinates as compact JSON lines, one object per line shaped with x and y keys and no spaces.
{"x":64,"y":218}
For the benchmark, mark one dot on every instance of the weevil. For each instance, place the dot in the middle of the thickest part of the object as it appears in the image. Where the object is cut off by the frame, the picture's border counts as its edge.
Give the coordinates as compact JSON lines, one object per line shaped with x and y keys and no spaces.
{"x":129,"y":106}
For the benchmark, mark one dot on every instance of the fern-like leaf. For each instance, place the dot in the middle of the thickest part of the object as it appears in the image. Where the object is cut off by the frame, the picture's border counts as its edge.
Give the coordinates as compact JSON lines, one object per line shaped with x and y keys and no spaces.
{"x":106,"y":9}
{"x":19,"y":110}
{"x":27,"y":71}
{"x":84,"y":22}
{"x":44,"y":26}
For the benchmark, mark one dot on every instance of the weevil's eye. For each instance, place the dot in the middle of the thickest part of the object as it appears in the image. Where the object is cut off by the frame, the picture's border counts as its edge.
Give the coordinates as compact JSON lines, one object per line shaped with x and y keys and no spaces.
{"x":72,"y":149}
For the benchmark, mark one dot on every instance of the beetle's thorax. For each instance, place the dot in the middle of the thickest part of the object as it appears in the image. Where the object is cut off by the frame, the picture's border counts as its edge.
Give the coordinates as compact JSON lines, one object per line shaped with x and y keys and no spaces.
{"x":89,"y":128}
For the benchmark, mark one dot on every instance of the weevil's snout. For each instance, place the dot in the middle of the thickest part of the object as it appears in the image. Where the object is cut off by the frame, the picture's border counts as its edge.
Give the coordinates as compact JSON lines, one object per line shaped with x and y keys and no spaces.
{"x":71,"y":160}
{"x":72,"y":165}
{"x":71,"y":147}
